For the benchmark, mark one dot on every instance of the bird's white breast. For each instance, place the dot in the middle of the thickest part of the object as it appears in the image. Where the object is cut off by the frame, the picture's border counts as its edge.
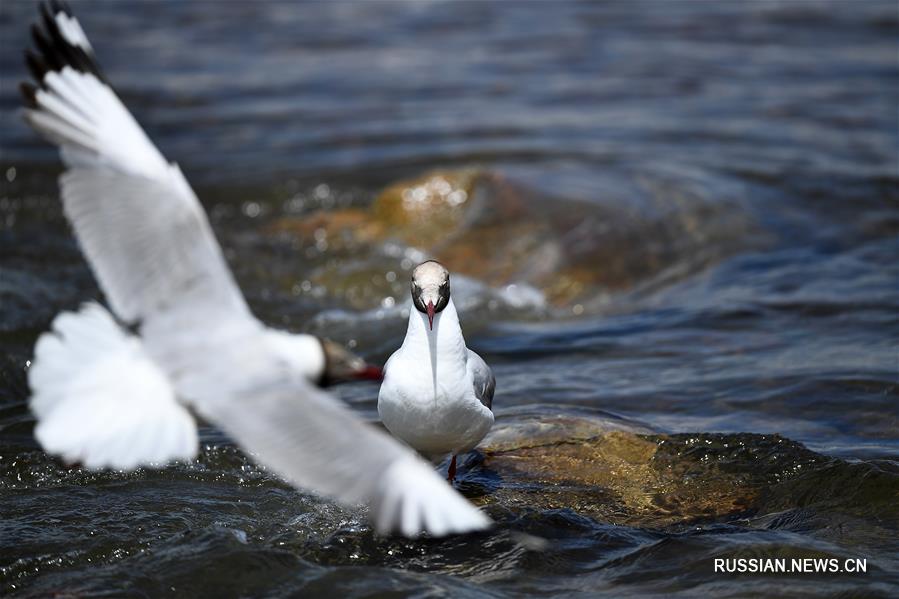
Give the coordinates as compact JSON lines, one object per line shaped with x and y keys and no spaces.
{"x":427,"y":398}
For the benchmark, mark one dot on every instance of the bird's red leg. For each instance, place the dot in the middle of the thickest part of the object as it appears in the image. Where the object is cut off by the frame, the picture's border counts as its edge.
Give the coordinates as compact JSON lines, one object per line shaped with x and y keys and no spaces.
{"x":451,"y":473}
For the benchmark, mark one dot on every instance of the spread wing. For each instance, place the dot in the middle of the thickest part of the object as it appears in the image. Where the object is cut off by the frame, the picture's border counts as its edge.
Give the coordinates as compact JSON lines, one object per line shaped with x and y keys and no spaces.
{"x":315,"y":442}
{"x":137,"y":219}
{"x":484,"y":381}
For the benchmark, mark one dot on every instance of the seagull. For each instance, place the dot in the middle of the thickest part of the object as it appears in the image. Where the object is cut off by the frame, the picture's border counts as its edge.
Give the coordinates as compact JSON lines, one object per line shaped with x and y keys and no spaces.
{"x":437,"y":395}
{"x":121,"y":390}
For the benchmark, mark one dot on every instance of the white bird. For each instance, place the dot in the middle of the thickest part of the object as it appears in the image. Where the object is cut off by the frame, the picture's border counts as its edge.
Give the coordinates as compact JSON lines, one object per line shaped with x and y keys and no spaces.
{"x":437,"y":394}
{"x":105,"y":397}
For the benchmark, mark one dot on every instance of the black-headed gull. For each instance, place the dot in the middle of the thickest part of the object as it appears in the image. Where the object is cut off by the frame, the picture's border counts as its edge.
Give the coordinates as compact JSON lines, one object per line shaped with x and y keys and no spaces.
{"x":107,"y":398}
{"x":437,"y":394}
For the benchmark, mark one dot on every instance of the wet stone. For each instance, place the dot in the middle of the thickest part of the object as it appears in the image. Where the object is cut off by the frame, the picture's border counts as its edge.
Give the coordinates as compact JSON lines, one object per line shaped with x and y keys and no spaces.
{"x":608,"y":471}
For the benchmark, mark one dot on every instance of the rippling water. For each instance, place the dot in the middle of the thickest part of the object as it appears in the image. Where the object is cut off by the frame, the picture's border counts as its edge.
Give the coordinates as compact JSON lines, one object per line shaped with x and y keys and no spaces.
{"x":766,"y":133}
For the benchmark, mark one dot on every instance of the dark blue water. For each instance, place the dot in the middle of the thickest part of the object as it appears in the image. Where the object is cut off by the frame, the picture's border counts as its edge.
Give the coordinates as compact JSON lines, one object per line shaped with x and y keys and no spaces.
{"x":765,"y":133}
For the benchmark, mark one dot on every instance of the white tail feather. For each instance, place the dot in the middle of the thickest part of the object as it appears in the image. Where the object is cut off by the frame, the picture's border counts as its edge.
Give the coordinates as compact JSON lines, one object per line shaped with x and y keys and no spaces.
{"x":101,"y":401}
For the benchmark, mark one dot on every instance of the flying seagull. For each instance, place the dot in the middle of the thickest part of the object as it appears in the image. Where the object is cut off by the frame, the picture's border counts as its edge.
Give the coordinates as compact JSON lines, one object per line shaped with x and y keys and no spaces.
{"x":437,"y":394}
{"x":105,"y":397}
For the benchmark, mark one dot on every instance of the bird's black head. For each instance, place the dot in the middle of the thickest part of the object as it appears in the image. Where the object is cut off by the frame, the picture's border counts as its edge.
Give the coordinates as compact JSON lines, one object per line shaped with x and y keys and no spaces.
{"x":342,"y":366}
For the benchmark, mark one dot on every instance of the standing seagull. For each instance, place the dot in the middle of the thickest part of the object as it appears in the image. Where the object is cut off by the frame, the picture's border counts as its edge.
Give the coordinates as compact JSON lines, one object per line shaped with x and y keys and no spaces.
{"x":107,"y":398}
{"x":437,"y":394}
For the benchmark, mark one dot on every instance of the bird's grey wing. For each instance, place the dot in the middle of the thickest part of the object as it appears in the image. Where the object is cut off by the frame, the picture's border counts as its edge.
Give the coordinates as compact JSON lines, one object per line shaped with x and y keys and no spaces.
{"x":484,"y":381}
{"x":138,"y":221}
{"x":317,"y":443}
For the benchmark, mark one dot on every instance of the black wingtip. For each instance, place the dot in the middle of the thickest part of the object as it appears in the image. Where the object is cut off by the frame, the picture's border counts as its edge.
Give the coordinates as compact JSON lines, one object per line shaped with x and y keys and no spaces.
{"x":36,"y":66}
{"x":46,"y":12}
{"x":43,"y":45}
{"x":29,"y":94}
{"x":54,"y":51}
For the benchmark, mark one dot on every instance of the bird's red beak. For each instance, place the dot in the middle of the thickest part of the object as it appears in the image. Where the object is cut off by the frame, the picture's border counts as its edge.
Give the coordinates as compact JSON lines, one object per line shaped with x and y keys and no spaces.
{"x":370,"y":373}
{"x":431,"y":315}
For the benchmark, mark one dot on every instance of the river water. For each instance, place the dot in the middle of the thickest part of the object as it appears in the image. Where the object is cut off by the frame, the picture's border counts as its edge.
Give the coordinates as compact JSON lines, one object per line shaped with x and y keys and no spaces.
{"x":768,"y":132}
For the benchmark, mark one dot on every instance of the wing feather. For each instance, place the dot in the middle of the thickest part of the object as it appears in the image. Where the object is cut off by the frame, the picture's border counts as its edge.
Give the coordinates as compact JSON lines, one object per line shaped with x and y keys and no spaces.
{"x":147,"y":253}
{"x":140,"y":224}
{"x":484,"y":381}
{"x":315,"y":442}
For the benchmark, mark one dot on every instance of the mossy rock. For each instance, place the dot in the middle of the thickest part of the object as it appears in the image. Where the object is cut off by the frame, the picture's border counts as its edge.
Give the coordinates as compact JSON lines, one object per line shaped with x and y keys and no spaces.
{"x":614,"y":472}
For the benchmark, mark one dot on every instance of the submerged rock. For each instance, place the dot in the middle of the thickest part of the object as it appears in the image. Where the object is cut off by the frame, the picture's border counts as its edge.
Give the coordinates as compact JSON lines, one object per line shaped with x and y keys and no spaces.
{"x":483,"y":225}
